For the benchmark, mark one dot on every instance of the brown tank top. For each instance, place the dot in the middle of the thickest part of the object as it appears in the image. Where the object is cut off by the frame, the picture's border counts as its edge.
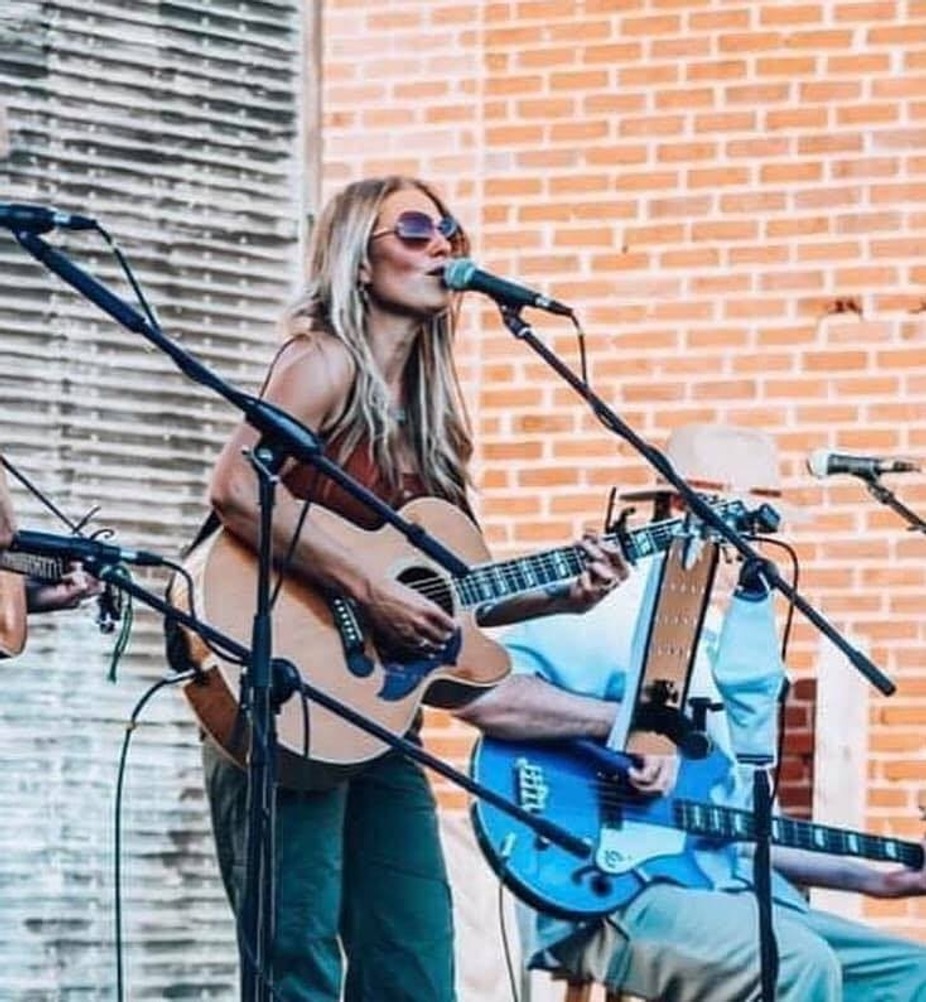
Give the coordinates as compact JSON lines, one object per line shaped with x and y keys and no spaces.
{"x":305,"y":481}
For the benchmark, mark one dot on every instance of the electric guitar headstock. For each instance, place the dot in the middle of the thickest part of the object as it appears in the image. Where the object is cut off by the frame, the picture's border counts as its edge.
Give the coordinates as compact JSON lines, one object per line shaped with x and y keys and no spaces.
{"x":761,"y":520}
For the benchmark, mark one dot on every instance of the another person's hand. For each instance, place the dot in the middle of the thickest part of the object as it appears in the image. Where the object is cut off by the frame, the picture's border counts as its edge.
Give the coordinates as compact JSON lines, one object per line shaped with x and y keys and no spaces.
{"x":605,"y":569}
{"x":900,"y":883}
{"x":75,"y":587}
{"x":656,"y":775}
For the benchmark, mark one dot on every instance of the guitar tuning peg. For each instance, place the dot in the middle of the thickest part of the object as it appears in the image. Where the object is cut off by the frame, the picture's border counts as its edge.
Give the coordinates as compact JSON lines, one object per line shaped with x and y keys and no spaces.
{"x":616,"y":526}
{"x":612,"y":524}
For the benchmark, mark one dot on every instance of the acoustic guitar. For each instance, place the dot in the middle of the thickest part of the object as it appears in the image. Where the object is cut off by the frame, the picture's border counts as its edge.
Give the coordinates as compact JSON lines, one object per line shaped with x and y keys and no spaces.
{"x":325,"y":637}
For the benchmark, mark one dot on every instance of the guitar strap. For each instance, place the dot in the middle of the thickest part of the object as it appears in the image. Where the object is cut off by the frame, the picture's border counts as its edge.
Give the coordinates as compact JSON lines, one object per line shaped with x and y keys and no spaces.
{"x":659,"y":723}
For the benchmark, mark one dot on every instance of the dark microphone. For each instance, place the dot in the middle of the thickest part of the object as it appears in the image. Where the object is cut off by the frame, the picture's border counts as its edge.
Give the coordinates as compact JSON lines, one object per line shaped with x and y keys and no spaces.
{"x":823,"y":463}
{"x":40,"y":219}
{"x":46,"y":544}
{"x":461,"y":275}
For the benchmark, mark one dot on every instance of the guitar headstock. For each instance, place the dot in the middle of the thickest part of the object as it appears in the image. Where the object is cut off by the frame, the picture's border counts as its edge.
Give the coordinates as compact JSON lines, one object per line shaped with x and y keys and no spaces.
{"x":656,"y":536}
{"x":763,"y":519}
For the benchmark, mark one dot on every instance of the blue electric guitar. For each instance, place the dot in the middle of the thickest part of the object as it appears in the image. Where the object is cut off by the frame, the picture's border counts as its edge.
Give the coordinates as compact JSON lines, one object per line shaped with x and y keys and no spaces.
{"x":579,"y":786}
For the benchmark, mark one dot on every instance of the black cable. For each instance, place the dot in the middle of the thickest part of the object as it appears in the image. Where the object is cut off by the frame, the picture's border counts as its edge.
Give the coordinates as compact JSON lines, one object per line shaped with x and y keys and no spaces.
{"x":117,"y":839}
{"x":284,"y":564}
{"x":178,"y":568}
{"x":130,"y":277}
{"x":795,"y":579}
{"x":284,"y":567}
{"x":124,"y":611}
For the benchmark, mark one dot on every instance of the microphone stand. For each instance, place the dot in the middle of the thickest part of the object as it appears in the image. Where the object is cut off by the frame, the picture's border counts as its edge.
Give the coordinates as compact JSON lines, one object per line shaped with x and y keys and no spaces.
{"x":278,"y":429}
{"x":762,"y":874}
{"x":234,"y":651}
{"x":768,"y":951}
{"x":886,"y":496}
{"x":258,"y":920}
{"x":265,"y":675}
{"x":695,"y":503}
{"x":256,"y":956}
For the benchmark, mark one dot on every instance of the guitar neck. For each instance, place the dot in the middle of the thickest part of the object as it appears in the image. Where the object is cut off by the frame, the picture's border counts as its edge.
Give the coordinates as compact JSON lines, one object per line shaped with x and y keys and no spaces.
{"x":44,"y":568}
{"x":733,"y":824}
{"x":492,"y":582}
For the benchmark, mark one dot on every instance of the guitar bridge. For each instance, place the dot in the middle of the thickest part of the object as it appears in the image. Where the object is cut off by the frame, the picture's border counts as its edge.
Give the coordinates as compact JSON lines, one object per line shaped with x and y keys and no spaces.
{"x":345,"y":622}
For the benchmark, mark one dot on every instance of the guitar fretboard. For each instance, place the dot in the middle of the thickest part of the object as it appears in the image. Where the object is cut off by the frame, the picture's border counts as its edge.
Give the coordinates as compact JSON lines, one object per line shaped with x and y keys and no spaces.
{"x":492,"y":582}
{"x":715,"y":821}
{"x":46,"y":568}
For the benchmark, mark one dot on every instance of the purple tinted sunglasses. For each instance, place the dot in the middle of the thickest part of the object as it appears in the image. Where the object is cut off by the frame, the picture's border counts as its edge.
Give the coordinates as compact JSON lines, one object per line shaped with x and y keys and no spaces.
{"x":414,"y":227}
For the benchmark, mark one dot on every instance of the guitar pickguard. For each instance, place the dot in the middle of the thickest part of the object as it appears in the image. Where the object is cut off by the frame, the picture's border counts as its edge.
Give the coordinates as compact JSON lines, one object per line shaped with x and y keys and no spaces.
{"x":402,"y":677}
{"x":621,"y":850}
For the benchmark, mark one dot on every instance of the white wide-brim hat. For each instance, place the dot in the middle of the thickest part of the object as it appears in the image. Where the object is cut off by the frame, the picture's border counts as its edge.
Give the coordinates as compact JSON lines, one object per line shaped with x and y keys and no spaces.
{"x":724,"y":460}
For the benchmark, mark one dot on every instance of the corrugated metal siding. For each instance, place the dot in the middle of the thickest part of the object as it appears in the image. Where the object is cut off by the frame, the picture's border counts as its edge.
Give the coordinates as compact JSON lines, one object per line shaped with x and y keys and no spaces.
{"x":176,"y":124}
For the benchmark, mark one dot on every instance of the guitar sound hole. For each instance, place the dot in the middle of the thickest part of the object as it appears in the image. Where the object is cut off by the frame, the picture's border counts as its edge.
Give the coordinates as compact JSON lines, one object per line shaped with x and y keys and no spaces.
{"x":429,"y":584}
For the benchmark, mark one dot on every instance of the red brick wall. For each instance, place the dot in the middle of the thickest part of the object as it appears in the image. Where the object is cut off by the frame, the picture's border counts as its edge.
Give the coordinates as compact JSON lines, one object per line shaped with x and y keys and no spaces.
{"x":795,"y":777}
{"x":733,"y":195}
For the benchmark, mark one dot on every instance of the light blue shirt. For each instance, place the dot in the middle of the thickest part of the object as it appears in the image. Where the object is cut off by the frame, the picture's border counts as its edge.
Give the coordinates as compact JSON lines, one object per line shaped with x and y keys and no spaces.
{"x":593,"y":654}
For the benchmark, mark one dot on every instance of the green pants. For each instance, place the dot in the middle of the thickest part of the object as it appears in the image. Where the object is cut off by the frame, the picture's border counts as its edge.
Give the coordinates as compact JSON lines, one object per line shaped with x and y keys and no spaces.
{"x":360,"y":874}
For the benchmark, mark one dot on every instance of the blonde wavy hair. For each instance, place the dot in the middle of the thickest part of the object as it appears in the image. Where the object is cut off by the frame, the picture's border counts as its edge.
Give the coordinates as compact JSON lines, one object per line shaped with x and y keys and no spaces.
{"x":435,"y":414}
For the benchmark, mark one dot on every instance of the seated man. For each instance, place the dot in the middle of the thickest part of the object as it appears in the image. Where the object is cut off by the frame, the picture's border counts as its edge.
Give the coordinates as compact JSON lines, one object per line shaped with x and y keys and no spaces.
{"x":671,"y":942}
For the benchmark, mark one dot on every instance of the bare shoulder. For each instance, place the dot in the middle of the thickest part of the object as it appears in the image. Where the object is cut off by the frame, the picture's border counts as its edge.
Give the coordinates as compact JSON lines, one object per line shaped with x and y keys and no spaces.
{"x":312,"y":377}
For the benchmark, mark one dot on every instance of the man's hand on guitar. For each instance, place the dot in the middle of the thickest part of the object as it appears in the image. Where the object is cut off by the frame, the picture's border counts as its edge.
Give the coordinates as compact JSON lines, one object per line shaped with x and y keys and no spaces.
{"x":406,"y":619}
{"x":605,"y":569}
{"x":655,"y":775}
{"x":902,"y":882}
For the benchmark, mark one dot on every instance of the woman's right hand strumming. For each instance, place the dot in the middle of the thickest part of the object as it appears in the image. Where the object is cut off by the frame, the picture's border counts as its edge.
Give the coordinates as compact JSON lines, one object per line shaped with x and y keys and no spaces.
{"x":404,"y":618}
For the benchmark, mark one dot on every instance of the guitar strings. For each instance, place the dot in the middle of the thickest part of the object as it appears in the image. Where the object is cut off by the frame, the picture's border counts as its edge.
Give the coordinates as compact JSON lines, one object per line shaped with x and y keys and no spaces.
{"x":799,"y":833}
{"x":549,"y":567}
